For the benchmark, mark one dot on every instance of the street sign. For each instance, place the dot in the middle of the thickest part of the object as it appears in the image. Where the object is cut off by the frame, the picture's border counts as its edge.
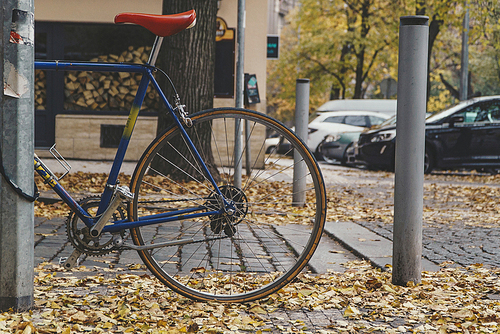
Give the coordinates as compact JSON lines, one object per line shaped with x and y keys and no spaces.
{"x":251,"y":89}
{"x":273,"y":42}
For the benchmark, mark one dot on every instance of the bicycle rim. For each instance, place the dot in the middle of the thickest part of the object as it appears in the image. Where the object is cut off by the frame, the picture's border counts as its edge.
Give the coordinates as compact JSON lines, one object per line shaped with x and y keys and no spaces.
{"x":230,"y":258}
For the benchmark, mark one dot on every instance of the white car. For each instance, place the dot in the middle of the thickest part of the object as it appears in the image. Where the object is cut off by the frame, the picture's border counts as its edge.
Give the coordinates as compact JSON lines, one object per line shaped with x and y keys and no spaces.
{"x":271,"y":143}
{"x":340,"y":121}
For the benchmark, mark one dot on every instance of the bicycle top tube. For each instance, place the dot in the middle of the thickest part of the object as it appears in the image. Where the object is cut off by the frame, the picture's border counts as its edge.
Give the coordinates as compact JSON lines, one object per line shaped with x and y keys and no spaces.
{"x":58,"y":65}
{"x":160,"y":25}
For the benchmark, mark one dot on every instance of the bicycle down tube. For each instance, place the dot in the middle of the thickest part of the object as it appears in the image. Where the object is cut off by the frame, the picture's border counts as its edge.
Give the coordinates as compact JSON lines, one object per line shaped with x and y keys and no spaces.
{"x":147,"y":78}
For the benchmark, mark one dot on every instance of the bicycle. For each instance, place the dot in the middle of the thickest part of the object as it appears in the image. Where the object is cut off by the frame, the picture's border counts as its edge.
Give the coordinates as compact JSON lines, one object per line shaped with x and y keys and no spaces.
{"x":208,"y":238}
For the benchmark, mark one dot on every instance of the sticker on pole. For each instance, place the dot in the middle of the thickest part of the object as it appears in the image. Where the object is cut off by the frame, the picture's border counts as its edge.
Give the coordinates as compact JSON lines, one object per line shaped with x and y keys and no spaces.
{"x":15,"y":85}
{"x":22,"y":28}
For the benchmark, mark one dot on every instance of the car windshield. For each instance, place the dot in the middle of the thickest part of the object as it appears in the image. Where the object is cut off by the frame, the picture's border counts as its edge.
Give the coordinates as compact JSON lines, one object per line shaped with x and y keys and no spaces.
{"x":432,"y":118}
{"x":447,"y":112}
{"x":389,"y":121}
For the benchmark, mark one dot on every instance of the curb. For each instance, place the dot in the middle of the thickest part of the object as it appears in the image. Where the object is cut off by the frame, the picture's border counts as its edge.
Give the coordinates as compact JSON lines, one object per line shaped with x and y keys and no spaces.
{"x":368,"y":245}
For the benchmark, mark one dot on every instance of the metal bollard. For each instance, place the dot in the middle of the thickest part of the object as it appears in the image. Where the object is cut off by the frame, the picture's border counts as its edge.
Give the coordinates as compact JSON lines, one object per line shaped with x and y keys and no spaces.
{"x":301,"y":121}
{"x":410,"y":150}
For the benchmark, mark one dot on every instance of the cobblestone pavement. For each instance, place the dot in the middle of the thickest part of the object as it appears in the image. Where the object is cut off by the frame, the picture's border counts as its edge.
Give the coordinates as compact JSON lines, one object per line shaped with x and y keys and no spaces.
{"x":460,"y":228}
{"x":52,"y":245}
{"x":457,"y":240}
{"x":464,"y":245}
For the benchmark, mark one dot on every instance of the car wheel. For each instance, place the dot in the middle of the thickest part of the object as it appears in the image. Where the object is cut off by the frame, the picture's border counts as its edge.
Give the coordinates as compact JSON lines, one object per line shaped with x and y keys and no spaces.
{"x":328,"y":160}
{"x":428,"y":161}
{"x":318,"y":155}
{"x":345,"y":161}
{"x":321,"y":157}
{"x":271,"y":149}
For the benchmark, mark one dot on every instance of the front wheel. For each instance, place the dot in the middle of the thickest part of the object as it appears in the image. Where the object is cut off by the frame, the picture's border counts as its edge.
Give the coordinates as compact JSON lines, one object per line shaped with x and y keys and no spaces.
{"x":241,"y":255}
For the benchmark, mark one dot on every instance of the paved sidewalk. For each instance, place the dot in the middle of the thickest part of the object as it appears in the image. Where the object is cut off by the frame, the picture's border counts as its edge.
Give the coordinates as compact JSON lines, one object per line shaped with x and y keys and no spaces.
{"x":342,"y":241}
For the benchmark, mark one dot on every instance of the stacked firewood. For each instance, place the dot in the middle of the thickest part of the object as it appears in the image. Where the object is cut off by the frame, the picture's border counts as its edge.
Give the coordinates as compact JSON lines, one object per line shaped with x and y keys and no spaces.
{"x":101,"y":91}
{"x":40,"y":91}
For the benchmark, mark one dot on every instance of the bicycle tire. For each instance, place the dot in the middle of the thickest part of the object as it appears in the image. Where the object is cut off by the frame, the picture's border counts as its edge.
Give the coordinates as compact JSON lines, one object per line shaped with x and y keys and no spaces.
{"x":231,"y":259}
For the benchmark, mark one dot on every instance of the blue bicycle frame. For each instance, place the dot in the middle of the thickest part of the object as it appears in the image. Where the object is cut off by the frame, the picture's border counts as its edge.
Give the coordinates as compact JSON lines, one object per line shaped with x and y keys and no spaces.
{"x":147,"y":78}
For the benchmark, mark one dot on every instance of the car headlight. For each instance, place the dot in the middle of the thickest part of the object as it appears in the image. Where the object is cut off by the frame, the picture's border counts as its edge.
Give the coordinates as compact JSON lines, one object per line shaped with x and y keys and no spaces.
{"x":384,"y":136}
{"x":331,"y":138}
{"x":311,"y":130}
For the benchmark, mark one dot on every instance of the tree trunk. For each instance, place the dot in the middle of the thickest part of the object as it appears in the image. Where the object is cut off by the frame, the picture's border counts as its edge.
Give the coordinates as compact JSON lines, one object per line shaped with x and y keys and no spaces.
{"x":434,"y":27}
{"x":360,"y":60}
{"x":189,"y":59}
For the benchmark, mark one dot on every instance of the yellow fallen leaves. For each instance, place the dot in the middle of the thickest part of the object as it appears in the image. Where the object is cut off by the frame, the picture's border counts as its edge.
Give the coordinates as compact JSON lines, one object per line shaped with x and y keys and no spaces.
{"x":351,"y":311}
{"x":453,"y":300}
{"x":450,"y":200}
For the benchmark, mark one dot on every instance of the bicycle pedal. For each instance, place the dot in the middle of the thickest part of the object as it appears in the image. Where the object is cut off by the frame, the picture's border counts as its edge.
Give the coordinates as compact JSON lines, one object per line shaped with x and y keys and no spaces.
{"x":71,"y":261}
{"x":55,"y":153}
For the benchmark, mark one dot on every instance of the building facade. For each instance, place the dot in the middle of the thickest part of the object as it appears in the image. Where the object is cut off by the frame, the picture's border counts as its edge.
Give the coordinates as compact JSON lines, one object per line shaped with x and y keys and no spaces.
{"x":84,"y":112}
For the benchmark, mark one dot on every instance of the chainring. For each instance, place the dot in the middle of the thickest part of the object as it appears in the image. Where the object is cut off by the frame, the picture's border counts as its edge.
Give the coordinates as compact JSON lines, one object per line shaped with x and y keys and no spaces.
{"x":227,"y":222}
{"x":79,"y":233}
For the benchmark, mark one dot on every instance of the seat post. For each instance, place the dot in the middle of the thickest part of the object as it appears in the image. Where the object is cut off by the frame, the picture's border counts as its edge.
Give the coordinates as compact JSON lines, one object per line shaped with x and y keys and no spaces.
{"x":155,"y":50}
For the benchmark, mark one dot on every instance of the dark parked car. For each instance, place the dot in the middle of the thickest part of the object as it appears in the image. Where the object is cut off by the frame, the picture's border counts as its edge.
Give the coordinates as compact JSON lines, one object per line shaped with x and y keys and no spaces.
{"x":464,"y":136}
{"x":337,"y":146}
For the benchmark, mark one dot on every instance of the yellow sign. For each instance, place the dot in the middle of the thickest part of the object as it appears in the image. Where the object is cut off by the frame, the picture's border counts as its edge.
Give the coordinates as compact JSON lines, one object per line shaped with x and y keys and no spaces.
{"x":223,"y":32}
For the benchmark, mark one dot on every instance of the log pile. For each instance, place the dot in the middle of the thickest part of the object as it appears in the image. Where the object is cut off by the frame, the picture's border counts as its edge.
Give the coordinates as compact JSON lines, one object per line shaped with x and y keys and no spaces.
{"x":40,"y":91}
{"x":102,"y":91}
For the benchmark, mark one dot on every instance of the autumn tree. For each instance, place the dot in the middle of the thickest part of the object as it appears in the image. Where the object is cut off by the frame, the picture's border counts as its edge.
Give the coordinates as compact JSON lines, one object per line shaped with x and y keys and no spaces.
{"x":341,"y":45}
{"x":445,"y":36}
{"x":442,"y":14}
{"x":484,"y":46}
{"x":189,"y":59}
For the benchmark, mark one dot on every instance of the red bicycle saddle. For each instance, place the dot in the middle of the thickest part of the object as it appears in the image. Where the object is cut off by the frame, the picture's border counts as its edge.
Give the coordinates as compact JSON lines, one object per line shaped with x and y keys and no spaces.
{"x":160,"y":25}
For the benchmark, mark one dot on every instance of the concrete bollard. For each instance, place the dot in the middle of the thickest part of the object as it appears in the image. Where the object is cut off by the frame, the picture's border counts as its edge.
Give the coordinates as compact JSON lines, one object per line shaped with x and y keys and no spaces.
{"x":301,"y":122}
{"x":410,"y":149}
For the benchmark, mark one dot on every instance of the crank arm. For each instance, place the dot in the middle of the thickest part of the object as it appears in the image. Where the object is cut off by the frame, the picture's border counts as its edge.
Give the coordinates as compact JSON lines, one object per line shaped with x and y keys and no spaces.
{"x":72,"y":260}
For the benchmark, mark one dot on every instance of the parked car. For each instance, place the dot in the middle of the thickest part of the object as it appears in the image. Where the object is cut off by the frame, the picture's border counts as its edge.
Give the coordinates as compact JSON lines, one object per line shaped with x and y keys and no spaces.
{"x":340,"y":121}
{"x":271,"y":143}
{"x":384,"y":106}
{"x":336,"y":147}
{"x":335,"y":121}
{"x":339,"y":146}
{"x":464,"y":136}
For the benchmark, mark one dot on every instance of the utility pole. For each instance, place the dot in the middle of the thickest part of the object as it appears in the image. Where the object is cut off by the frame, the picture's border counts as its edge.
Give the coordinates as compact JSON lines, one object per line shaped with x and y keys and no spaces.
{"x":240,"y":76}
{"x":16,"y":143}
{"x":464,"y":67}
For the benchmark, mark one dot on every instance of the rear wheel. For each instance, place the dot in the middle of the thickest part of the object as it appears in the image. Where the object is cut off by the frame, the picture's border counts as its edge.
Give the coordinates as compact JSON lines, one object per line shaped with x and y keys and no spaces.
{"x":229,"y":256}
